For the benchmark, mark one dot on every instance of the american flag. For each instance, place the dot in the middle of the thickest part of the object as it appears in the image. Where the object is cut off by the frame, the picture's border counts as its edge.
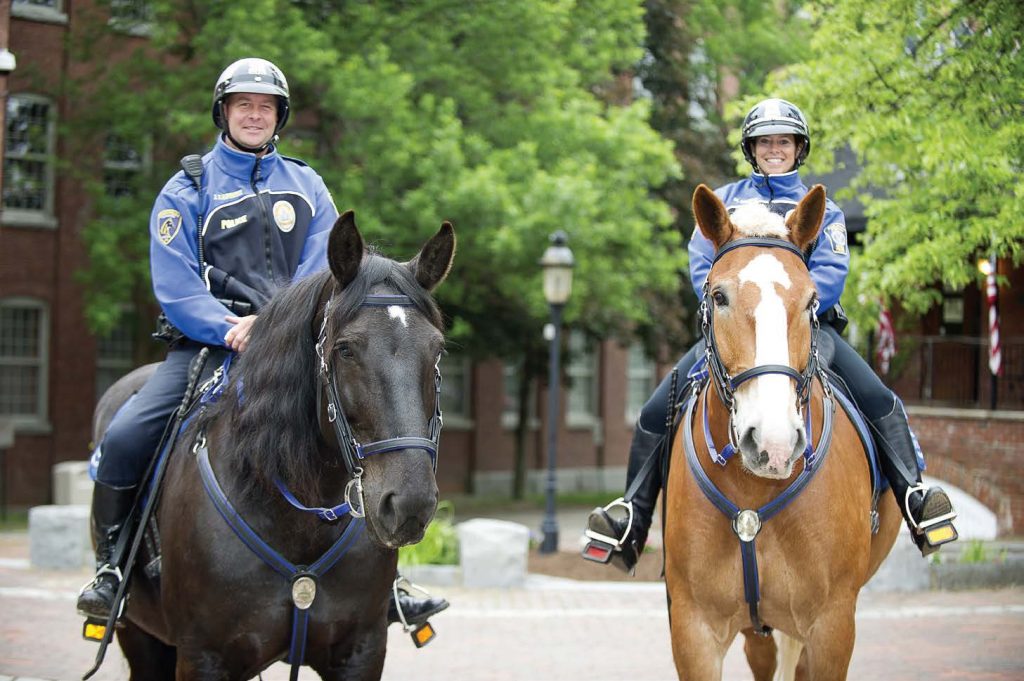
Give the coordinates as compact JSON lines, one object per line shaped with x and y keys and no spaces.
{"x":885,"y":349}
{"x":995,"y":355}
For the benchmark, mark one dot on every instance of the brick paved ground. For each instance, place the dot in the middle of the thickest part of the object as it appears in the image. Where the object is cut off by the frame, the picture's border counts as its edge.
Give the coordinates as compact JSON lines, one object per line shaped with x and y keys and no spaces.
{"x":556,"y":630}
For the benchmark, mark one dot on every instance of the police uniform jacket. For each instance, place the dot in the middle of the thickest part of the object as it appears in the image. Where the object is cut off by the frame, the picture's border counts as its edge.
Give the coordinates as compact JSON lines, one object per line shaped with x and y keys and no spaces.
{"x":264,"y":223}
{"x":829,"y":262}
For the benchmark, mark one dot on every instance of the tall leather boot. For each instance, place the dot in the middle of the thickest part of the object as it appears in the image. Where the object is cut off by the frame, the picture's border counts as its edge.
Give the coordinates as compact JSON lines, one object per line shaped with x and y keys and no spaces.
{"x":620,"y":540}
{"x":110,"y":509}
{"x":928,"y":511}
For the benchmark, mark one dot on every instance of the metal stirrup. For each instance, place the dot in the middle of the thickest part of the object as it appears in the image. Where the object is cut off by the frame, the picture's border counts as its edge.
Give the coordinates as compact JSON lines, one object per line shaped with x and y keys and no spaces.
{"x":615,"y":543}
{"x":924,"y":525}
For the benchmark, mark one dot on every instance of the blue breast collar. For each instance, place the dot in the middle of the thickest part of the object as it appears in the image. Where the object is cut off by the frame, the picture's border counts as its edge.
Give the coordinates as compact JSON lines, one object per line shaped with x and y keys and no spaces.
{"x":746,"y":523}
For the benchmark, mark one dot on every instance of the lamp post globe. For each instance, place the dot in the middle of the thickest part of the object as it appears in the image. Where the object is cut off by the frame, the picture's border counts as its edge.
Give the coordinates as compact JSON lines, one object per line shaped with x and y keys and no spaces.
{"x":558,"y":265}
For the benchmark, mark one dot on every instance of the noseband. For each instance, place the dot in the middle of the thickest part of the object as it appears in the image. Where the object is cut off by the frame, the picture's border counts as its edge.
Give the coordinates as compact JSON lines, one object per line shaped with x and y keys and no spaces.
{"x":726,"y":385}
{"x":352,"y":452}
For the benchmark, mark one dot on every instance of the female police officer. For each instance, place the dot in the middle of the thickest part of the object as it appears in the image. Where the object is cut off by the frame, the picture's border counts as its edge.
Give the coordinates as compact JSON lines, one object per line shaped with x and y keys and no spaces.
{"x":776,"y":141}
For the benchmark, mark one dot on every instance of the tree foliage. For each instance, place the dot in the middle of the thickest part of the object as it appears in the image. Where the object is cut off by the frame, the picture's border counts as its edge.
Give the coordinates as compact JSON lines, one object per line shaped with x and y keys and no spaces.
{"x":700,"y":54}
{"x":928,"y":95}
{"x":491,"y":114}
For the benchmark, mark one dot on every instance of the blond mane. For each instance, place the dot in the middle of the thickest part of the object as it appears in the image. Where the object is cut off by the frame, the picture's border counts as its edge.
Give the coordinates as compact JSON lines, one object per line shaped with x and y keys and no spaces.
{"x":754,"y":219}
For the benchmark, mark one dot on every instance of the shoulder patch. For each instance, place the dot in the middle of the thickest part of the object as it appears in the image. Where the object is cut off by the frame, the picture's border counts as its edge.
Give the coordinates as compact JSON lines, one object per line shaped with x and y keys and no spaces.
{"x":836,"y":233}
{"x":168,"y":225}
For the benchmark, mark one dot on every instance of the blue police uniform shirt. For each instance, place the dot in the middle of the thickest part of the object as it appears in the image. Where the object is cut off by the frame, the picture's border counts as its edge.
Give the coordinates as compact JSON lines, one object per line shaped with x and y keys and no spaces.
{"x":829,"y":263}
{"x":266,"y":221}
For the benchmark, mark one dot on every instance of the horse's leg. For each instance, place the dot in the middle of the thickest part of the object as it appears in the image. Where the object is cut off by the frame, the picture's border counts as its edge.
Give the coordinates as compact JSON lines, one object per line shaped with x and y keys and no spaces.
{"x":829,"y":644}
{"x":361,"y":659}
{"x":697,"y":648}
{"x":148,"y":658}
{"x":761,"y":652}
{"x":791,"y":651}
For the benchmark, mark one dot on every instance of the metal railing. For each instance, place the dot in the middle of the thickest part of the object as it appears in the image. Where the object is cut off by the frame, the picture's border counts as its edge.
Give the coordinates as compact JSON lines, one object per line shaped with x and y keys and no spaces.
{"x":953,"y":371}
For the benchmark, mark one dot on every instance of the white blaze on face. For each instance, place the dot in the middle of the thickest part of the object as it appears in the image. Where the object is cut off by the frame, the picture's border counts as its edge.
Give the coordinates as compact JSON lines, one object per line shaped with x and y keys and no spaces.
{"x":771,"y":409}
{"x":398,"y":312}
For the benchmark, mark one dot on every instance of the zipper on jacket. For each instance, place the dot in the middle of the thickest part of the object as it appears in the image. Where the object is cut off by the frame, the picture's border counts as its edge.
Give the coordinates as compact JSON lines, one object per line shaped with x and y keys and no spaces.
{"x":266,"y":218}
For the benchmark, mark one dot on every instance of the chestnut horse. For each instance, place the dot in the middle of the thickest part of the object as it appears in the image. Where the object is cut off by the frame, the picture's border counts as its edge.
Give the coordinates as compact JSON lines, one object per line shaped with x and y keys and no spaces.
{"x":807,"y":502}
{"x":336,"y":397}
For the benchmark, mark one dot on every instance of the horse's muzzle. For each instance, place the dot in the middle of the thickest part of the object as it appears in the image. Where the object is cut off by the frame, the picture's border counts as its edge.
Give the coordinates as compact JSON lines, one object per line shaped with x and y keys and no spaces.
{"x":403,"y":515}
{"x":772,"y":455}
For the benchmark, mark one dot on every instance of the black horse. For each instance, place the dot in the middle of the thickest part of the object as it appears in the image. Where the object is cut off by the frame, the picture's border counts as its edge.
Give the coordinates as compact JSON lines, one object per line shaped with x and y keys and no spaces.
{"x":346,"y":356}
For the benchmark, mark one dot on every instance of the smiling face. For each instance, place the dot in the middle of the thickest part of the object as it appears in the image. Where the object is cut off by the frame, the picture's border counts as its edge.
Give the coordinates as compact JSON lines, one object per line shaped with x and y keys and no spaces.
{"x":251,"y":118}
{"x":775,"y":154}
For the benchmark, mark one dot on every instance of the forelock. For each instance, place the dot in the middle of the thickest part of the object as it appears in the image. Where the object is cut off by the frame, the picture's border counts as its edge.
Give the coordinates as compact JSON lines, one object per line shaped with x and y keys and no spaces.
{"x":755,"y":219}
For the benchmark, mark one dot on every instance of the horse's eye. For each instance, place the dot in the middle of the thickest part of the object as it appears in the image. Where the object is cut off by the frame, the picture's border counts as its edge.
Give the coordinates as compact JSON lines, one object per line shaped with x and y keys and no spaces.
{"x":719,"y":298}
{"x":812,"y":303}
{"x":344,"y":349}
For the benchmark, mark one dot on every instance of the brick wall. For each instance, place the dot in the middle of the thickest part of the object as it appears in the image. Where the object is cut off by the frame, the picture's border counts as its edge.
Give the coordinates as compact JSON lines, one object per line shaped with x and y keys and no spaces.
{"x":980,"y":452}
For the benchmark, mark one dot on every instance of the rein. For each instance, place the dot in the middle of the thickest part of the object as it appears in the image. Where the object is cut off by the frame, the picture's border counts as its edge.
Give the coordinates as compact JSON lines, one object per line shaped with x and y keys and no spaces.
{"x":746,"y":523}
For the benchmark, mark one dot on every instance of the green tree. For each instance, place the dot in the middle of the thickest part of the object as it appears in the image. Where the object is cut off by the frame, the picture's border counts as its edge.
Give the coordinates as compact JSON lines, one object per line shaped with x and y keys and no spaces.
{"x":700,"y":55}
{"x":928,"y":95}
{"x":495,"y":115}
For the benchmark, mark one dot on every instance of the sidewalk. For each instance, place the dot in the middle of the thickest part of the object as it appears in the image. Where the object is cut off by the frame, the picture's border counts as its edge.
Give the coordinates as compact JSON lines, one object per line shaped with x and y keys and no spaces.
{"x":553,"y":630}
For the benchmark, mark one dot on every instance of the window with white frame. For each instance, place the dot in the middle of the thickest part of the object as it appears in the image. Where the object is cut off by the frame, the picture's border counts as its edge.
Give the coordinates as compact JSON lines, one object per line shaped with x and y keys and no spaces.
{"x":123,"y":161}
{"x":132,"y":16}
{"x":456,"y":389}
{"x":640,"y":381}
{"x":581,"y":399}
{"x":40,"y":10}
{"x":29,"y":161}
{"x":24,"y":325}
{"x":114,"y":355}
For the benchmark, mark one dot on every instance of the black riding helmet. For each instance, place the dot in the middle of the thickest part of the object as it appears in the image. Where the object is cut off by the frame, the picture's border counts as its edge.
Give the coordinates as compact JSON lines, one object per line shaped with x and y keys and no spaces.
{"x":251,"y":74}
{"x":775,"y":117}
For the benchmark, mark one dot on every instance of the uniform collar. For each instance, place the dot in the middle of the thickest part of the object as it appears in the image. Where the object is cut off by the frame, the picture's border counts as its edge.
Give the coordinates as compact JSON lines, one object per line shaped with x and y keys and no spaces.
{"x":782,"y":184}
{"x":240,"y":164}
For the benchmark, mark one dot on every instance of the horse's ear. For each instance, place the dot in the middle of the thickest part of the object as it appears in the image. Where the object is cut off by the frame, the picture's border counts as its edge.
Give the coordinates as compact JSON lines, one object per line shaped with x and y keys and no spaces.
{"x":432,"y":263}
{"x":711,"y":215}
{"x":805,"y":221}
{"x":345,"y":249}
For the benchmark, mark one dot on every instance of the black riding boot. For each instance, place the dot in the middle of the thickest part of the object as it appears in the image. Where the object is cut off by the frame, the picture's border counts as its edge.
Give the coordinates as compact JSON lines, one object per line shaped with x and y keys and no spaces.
{"x":110,"y":508}
{"x":620,"y":541}
{"x":928,"y":511}
{"x":410,"y":611}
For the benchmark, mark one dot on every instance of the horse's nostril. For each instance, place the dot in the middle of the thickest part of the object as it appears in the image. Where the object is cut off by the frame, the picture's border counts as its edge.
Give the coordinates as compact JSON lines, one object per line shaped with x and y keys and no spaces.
{"x":762,"y":457}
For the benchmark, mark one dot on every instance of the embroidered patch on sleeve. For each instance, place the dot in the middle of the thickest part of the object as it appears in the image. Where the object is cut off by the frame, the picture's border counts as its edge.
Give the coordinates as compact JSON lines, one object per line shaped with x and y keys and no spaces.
{"x":168,"y":225}
{"x":836,"y":233}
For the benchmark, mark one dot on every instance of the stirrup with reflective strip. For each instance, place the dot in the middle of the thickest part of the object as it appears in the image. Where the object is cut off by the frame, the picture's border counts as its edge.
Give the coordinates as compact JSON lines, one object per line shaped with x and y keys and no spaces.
{"x":602,"y":544}
{"x":421,"y":634}
{"x":931,"y":532}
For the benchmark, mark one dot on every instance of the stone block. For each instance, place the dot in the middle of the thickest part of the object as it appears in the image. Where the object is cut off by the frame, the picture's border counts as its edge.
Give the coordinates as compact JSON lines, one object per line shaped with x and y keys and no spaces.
{"x":493,"y":553}
{"x":72,"y":484}
{"x":59,"y":537}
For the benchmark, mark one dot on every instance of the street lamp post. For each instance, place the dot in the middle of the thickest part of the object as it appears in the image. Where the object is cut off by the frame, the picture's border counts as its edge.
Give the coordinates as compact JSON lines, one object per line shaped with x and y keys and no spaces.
{"x":557,"y":263}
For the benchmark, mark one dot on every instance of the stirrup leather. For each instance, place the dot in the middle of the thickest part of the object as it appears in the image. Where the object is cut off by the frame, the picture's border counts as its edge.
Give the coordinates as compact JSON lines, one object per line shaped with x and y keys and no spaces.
{"x":421,"y":634}
{"x":601,"y":546}
{"x":935,"y":531}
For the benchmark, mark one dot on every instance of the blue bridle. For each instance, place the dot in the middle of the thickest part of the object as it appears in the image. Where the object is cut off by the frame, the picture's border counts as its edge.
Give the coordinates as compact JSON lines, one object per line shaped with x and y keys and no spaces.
{"x":746,"y":523}
{"x":305,"y":579}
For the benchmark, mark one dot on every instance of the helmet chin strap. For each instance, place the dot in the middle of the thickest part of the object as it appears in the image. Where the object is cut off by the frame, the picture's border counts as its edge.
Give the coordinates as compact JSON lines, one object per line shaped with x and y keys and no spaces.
{"x":247,"y":149}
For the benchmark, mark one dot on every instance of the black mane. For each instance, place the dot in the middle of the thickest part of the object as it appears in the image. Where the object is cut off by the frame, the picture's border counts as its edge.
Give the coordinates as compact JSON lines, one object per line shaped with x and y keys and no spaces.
{"x":274,"y":430}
